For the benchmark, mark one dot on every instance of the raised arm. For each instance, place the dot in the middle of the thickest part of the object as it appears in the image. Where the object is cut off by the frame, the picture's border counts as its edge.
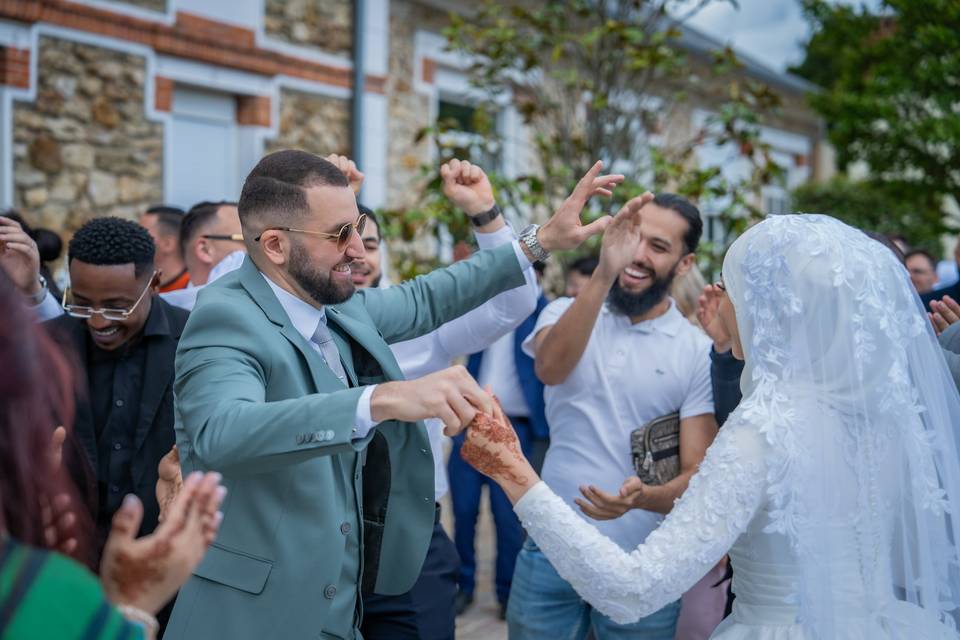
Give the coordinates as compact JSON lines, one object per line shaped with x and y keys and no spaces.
{"x":558,"y":349}
{"x":721,"y":500}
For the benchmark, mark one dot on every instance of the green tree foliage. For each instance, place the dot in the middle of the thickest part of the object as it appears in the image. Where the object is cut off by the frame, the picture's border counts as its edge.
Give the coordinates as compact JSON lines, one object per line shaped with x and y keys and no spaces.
{"x":891,"y":89}
{"x":876,"y":206}
{"x":598,"y":79}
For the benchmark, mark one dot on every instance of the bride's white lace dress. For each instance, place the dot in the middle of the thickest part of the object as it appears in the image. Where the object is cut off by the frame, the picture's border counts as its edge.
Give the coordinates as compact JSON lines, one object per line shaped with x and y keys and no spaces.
{"x":834,"y":486}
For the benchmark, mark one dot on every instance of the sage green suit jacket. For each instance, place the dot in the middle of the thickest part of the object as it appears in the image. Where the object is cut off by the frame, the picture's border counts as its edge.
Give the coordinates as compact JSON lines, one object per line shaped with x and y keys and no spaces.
{"x":309,"y":510}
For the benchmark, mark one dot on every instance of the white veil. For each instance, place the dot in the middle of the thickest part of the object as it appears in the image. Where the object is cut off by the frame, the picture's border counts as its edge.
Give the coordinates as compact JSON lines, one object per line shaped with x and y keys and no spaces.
{"x":846,"y":380}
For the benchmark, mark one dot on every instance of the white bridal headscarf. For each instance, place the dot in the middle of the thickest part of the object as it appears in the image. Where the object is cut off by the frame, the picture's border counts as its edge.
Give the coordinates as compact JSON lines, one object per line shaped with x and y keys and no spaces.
{"x":846,"y":380}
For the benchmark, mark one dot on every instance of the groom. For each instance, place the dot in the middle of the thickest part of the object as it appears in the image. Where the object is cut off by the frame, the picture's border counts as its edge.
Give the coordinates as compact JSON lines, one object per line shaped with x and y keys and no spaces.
{"x":286,"y":385}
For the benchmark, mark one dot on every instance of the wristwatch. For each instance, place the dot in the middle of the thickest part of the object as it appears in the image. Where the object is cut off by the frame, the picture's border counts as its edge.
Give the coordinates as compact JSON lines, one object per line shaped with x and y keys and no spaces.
{"x":529,"y":238}
{"x":486,"y":217}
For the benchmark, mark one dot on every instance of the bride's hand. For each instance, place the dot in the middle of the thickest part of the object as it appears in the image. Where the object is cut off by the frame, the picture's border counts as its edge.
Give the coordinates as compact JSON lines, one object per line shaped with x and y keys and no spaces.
{"x":146,"y":572}
{"x":492,"y":448}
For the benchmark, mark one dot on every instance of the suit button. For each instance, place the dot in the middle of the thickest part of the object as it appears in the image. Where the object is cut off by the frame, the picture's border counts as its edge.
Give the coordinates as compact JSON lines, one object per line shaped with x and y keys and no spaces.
{"x":117,"y":446}
{"x":345,"y":528}
{"x":329,"y":435}
{"x":330,"y":592}
{"x":119,"y":403}
{"x":423,"y":451}
{"x":428,"y":499}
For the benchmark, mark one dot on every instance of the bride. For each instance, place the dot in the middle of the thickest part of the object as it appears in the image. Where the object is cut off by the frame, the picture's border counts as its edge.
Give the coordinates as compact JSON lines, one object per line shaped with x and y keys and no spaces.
{"x":834,"y":486}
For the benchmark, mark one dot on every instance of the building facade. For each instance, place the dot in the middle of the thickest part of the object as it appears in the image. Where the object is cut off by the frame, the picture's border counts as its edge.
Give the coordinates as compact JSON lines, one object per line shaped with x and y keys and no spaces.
{"x":109,"y":106}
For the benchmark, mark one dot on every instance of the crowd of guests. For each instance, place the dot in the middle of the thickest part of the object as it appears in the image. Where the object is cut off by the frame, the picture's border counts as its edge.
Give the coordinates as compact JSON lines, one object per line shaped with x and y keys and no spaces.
{"x":128,"y":393}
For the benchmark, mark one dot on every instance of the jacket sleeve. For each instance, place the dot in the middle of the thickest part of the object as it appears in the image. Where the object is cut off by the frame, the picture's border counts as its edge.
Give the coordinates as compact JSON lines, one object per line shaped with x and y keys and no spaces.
{"x":725,"y":373}
{"x":420,"y":306}
{"x":223,"y":418}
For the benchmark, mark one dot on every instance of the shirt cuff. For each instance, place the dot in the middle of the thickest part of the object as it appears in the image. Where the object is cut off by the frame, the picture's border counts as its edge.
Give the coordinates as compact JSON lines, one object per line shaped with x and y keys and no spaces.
{"x":494,"y":239}
{"x":364,"y":421}
{"x":521,"y":256}
{"x":48,"y":309}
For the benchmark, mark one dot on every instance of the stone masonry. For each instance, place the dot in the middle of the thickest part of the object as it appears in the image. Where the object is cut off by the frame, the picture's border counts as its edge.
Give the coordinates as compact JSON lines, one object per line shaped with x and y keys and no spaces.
{"x":84,"y":147}
{"x":322,"y":24}
{"x":314,"y":123}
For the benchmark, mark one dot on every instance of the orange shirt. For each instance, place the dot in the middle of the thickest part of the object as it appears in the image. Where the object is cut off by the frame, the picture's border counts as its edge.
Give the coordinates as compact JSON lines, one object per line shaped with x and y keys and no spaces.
{"x":180,"y":282}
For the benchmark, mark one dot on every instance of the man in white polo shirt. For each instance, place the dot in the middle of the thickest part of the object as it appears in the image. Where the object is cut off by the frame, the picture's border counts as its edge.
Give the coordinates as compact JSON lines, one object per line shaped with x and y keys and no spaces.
{"x":617,"y":356}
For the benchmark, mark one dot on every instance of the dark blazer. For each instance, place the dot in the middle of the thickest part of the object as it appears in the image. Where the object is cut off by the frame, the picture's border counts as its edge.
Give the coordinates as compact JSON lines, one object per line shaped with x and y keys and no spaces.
{"x":529,"y":382}
{"x":153,"y":434}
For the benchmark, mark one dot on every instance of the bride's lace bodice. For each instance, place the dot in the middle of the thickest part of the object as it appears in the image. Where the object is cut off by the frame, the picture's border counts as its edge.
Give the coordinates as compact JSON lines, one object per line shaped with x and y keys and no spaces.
{"x":717,"y":507}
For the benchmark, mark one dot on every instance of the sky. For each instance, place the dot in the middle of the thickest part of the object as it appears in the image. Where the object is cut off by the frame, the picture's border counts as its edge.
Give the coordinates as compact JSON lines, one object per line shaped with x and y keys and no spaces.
{"x":771,"y":31}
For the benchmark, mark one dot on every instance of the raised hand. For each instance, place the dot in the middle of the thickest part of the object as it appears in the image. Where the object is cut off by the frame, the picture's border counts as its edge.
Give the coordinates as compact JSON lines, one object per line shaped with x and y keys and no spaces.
{"x":146,"y":572}
{"x":492,"y":448}
{"x":708,"y":306}
{"x":349,"y":169}
{"x":467,"y":187}
{"x":59,"y":519}
{"x":169,"y":480}
{"x":564,"y":230}
{"x":452,"y":395}
{"x":19,"y":257}
{"x":622,"y":237}
{"x":945,"y":313}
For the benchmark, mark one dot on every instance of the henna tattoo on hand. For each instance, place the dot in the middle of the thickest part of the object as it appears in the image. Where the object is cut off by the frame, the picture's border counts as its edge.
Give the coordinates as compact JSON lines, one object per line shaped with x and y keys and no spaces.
{"x":133,"y":574}
{"x":487,"y":438}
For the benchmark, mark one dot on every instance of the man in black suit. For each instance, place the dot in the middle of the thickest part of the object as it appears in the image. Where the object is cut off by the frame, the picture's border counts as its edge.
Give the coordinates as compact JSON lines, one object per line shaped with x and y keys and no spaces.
{"x":124,"y":338}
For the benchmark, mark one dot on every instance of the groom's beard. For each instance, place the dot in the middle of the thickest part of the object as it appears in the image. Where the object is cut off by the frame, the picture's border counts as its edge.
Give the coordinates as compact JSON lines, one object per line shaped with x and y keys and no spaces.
{"x":634,"y":305}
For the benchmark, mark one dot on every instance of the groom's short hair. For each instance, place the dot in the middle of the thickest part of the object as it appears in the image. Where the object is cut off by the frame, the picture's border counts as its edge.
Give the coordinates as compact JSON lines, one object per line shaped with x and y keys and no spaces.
{"x":273,"y":192}
{"x":685,"y":209}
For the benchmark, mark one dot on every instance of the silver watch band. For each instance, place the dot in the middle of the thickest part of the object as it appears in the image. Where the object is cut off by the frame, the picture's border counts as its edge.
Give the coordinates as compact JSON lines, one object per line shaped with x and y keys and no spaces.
{"x":529,"y":237}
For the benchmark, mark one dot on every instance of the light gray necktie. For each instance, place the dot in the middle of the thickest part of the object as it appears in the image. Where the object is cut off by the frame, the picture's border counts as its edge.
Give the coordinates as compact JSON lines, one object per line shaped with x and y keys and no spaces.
{"x":328,"y":349}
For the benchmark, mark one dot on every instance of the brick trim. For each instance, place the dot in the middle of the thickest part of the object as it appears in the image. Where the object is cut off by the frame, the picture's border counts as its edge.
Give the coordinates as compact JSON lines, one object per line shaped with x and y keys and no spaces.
{"x":163,"y":94}
{"x":15,"y":67}
{"x":429,"y":70}
{"x":253,"y":111}
{"x":192,"y":37}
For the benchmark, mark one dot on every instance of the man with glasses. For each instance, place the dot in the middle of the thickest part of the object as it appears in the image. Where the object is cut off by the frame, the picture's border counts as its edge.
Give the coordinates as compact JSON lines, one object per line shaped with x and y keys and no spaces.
{"x":286,"y":384}
{"x":124,"y":337}
{"x":211,"y":242}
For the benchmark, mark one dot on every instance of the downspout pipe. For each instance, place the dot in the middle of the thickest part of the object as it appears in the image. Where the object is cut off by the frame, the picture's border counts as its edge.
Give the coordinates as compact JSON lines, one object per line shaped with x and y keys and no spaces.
{"x":356,"y":107}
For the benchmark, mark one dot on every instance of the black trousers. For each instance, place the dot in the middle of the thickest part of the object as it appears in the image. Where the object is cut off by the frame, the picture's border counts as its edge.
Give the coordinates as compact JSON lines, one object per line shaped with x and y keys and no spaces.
{"x":426,"y":612}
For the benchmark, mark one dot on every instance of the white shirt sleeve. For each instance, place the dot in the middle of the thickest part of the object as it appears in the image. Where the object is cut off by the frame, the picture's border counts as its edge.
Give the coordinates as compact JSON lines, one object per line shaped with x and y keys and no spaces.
{"x":699,"y":398}
{"x":548,"y":317}
{"x":364,"y":420}
{"x":48,"y":309}
{"x":721,"y":500}
{"x":479,"y":328}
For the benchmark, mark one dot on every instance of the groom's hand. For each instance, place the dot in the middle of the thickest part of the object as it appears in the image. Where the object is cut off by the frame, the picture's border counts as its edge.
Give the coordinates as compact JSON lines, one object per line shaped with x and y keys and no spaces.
{"x":452,"y":395}
{"x":564,"y":230}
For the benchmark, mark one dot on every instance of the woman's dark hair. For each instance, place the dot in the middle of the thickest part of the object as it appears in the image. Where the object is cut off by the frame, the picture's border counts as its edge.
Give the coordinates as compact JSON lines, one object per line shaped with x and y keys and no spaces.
{"x":36,"y":395}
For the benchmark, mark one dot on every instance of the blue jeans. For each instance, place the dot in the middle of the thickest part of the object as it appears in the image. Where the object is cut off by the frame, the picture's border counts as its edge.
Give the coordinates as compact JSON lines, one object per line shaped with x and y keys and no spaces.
{"x":544,"y":605}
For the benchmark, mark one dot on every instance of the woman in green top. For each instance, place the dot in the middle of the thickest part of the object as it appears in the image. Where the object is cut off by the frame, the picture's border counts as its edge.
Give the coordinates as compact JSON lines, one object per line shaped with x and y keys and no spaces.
{"x":43,"y":593}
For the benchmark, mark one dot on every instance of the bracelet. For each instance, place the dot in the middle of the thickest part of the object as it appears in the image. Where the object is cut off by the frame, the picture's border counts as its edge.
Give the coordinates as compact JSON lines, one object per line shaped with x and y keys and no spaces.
{"x":38,"y":297}
{"x":486,"y":217}
{"x":139,"y":617}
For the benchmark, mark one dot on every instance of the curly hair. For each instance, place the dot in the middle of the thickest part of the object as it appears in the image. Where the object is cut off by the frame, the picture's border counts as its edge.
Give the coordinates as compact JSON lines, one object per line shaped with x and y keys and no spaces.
{"x":109,"y":241}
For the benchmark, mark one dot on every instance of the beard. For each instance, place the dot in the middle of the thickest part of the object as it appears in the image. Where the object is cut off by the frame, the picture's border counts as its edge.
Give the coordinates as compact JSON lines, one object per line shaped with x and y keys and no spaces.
{"x":634,"y":305}
{"x":318,"y":284}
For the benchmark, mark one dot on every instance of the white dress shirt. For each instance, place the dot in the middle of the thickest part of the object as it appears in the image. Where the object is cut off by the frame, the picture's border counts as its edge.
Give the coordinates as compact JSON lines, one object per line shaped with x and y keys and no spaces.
{"x":187,"y":298}
{"x":498,"y":369}
{"x":628,"y":375}
{"x":471,"y":332}
{"x":305,"y":317}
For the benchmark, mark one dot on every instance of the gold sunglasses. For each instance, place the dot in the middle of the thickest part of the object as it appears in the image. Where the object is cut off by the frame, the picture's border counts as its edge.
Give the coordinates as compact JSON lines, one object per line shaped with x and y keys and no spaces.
{"x":235,"y":237}
{"x":342,"y":237}
{"x":81,"y":311}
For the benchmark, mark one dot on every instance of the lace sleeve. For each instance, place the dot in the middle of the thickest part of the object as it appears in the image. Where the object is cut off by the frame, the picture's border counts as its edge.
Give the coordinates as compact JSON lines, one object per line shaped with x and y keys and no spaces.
{"x":722,"y":498}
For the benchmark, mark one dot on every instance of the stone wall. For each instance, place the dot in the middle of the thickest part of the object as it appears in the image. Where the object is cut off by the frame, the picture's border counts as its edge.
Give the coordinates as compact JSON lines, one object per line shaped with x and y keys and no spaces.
{"x":153,"y":5}
{"x":322,"y":24}
{"x":84,"y":147}
{"x":408,"y":111}
{"x":315,"y":123}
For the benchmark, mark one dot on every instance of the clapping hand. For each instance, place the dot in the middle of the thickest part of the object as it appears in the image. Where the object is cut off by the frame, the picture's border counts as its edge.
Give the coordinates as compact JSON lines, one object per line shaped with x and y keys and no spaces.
{"x":57,"y":514}
{"x":622,"y":237}
{"x":146,"y":572}
{"x":600,"y":505}
{"x":945,"y":313}
{"x":349,"y":168}
{"x":564,"y":230}
{"x":708,"y":306}
{"x":19,"y":257}
{"x":467,"y":187}
{"x":169,"y":480}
